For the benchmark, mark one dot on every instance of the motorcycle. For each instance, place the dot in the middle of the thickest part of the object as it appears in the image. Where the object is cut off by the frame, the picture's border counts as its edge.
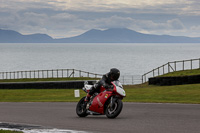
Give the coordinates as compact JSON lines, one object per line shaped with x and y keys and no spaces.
{"x":108,"y":102}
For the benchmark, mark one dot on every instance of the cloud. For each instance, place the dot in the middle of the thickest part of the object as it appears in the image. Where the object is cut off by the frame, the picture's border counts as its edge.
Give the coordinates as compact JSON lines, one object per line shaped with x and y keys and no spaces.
{"x":176,"y":6}
{"x":65,"y":18}
{"x":175,"y":24}
{"x":111,"y":4}
{"x":120,"y":22}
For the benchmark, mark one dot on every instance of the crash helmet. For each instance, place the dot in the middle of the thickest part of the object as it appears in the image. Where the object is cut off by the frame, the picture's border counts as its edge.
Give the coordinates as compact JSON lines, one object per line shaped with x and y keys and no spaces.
{"x":114,"y":74}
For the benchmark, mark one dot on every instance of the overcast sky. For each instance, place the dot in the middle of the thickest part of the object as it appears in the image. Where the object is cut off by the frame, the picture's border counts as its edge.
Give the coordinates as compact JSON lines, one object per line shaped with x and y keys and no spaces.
{"x":66,"y":18}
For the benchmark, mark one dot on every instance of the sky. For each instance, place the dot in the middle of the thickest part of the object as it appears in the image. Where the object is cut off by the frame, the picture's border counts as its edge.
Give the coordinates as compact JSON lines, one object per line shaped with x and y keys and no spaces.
{"x":67,"y":18}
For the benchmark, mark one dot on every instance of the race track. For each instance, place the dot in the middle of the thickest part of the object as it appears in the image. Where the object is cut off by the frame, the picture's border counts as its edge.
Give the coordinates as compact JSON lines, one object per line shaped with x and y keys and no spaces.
{"x":134,"y":118}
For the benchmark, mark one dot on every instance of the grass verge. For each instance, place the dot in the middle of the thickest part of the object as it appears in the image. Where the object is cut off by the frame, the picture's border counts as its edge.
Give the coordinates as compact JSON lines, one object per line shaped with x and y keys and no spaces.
{"x":164,"y":94}
{"x":8,"y":131}
{"x":182,"y":73}
{"x":135,"y":93}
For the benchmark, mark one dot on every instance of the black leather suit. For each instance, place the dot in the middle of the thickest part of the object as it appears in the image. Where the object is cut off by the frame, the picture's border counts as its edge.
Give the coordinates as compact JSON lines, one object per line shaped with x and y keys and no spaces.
{"x":105,"y":82}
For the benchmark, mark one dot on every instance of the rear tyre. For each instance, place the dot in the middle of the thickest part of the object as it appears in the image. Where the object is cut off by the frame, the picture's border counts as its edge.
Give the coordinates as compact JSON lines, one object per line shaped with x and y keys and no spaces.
{"x":115,"y":110}
{"x":81,"y":108}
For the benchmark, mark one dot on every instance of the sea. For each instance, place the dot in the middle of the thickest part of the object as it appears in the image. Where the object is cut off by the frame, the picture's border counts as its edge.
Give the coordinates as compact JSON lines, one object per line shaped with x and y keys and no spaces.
{"x":129,"y":58}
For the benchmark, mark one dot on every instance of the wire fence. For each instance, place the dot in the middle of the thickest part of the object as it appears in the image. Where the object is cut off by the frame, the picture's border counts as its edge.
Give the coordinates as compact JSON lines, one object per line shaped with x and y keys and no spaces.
{"x":55,"y":73}
{"x":130,"y":79}
{"x":64,"y":73}
{"x":124,"y":79}
{"x":172,"y":67}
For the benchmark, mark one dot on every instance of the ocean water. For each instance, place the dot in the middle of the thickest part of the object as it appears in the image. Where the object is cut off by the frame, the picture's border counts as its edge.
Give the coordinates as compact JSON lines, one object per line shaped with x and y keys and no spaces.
{"x":130,"y":59}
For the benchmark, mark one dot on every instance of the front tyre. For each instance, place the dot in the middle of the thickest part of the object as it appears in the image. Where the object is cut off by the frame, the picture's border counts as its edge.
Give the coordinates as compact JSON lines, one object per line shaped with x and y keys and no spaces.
{"x":113,"y":112}
{"x":81,"y":108}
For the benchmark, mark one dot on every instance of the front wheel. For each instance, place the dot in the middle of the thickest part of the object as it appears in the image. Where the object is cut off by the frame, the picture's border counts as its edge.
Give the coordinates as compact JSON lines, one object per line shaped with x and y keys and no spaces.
{"x":81,"y":110}
{"x":113,"y":112}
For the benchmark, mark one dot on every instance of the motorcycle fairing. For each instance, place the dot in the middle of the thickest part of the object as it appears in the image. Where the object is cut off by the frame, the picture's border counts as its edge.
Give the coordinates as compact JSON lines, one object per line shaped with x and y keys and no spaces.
{"x":99,"y":102}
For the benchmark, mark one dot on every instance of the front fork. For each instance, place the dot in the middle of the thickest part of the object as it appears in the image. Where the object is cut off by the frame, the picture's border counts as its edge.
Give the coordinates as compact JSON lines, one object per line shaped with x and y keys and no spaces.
{"x":112,"y":101}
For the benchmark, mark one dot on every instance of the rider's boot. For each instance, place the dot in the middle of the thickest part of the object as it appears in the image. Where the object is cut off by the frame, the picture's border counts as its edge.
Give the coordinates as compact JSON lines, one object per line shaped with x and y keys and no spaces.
{"x":91,"y":92}
{"x":87,"y":98}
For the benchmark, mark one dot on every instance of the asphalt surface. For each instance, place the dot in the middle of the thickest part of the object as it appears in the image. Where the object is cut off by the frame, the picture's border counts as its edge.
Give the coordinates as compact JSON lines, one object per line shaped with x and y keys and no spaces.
{"x":134,"y":118}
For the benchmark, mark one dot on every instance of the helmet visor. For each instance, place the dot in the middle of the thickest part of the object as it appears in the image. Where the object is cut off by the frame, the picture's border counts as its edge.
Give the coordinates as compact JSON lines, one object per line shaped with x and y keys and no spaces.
{"x":115,"y":76}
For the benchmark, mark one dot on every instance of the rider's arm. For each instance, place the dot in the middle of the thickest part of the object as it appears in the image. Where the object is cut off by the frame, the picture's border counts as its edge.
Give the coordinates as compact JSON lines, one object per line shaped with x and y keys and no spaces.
{"x":102,"y":82}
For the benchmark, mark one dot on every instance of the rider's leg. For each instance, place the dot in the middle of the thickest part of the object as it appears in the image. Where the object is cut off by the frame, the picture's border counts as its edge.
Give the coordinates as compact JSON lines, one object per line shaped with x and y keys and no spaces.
{"x":92,"y":91}
{"x":87,"y":98}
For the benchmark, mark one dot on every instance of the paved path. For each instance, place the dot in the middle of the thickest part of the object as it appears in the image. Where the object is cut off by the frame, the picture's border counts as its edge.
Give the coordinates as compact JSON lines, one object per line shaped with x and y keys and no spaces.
{"x":134,"y":118}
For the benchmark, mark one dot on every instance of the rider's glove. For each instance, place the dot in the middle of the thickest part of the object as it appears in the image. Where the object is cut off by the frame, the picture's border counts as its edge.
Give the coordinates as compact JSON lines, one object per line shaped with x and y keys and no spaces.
{"x":105,"y":86}
{"x":111,"y":86}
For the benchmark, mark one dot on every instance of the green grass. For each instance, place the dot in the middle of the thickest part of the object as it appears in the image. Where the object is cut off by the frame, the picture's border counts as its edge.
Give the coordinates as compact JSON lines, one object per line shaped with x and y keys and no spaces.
{"x":48,"y":79}
{"x":8,"y":131}
{"x":135,"y":93}
{"x":183,"y":73}
{"x":38,"y":95}
{"x":164,"y":94}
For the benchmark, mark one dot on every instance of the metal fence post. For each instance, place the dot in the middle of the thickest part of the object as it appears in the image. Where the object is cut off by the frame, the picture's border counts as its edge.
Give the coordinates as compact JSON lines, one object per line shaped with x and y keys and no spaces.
{"x":21,"y":74}
{"x":3,"y":75}
{"x":163,"y":69}
{"x":175,"y":65}
{"x":29,"y":74}
{"x":79,"y":73}
{"x":47,"y":74}
{"x":34,"y":74}
{"x":142,"y":78}
{"x":38,"y":74}
{"x":199,"y":62}
{"x":42,"y":74}
{"x":168,"y":68}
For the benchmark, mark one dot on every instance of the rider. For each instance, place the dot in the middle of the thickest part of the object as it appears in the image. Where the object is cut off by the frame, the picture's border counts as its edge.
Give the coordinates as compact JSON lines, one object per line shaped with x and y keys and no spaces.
{"x":105,"y":82}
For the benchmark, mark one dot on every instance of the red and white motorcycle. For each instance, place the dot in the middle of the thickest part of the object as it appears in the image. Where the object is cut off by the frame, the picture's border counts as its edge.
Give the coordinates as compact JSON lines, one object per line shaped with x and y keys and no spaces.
{"x":107,"y":102}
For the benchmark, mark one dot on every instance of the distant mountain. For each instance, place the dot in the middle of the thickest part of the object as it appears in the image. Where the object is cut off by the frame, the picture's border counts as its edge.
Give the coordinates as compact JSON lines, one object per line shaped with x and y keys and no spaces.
{"x":114,"y":35}
{"x":10,"y":36}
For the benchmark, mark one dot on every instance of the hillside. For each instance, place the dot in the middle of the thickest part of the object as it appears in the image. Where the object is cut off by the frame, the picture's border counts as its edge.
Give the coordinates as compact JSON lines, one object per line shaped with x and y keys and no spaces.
{"x":177,"y":78}
{"x":117,"y":35}
{"x":182,"y":73}
{"x":114,"y":35}
{"x":9,"y":36}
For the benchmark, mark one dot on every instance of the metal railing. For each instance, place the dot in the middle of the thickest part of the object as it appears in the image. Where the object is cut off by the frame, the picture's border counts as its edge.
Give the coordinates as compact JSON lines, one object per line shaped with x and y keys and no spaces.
{"x":130,"y":79}
{"x":172,"y":67}
{"x":55,"y":73}
{"x":64,"y":73}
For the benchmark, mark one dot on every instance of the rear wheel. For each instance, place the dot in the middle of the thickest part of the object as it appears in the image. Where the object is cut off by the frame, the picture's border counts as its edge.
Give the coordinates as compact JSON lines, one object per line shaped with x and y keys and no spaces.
{"x":113,"y":112}
{"x":81,"y":108}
